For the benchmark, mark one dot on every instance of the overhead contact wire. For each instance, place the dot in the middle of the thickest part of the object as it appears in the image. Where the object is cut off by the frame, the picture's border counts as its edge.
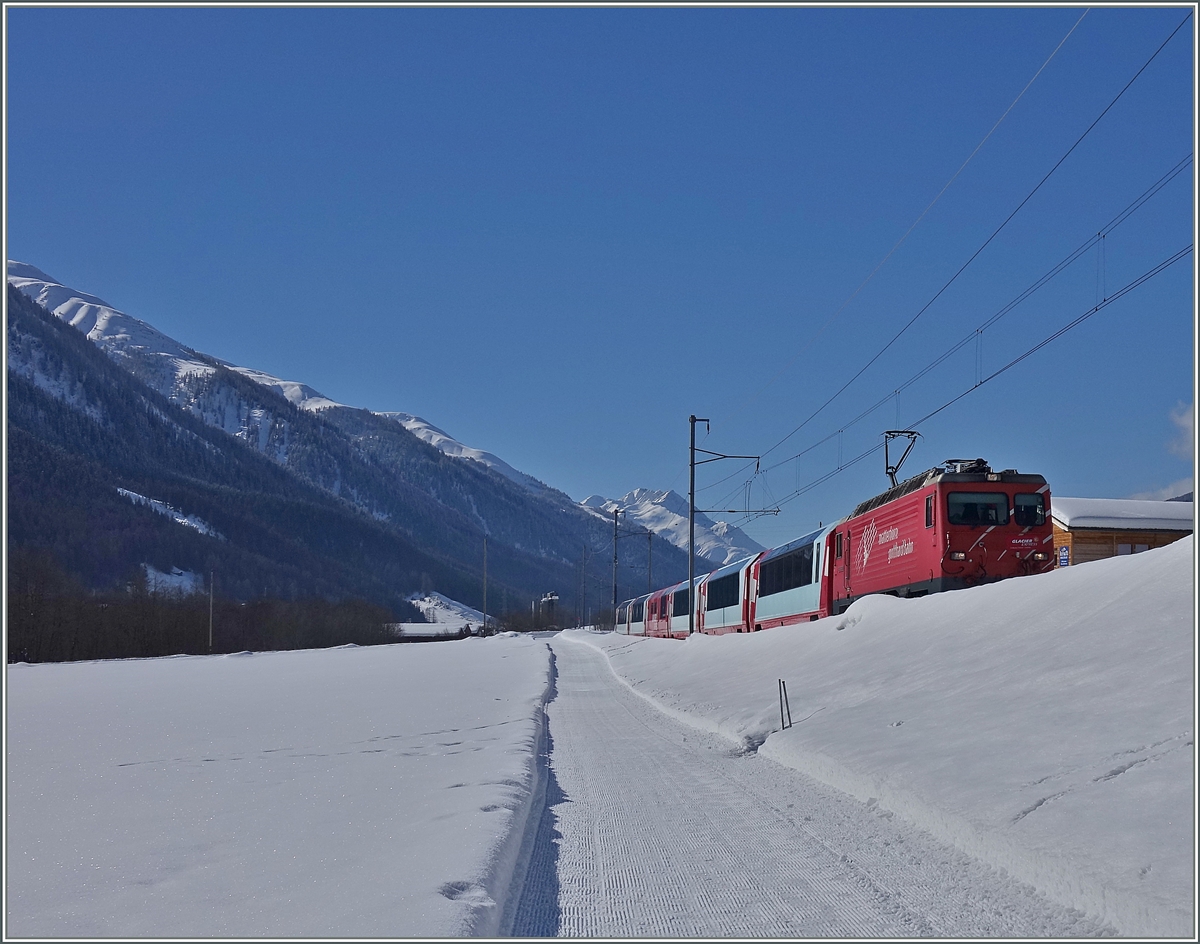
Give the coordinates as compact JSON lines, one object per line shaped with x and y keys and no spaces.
{"x":1074,"y":256}
{"x":1124,"y":290}
{"x":916,"y":222}
{"x":986,"y":242}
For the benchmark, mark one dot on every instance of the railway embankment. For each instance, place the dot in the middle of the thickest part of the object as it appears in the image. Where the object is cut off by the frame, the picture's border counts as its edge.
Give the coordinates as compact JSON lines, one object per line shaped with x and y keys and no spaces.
{"x":1043,"y":725}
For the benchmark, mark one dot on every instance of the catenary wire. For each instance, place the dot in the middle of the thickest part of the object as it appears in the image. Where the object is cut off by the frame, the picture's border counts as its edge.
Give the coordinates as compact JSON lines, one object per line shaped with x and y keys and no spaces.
{"x":1074,"y":256}
{"x":914,"y":225}
{"x":985,"y":244}
{"x":904,"y":237}
{"x":1124,"y":290}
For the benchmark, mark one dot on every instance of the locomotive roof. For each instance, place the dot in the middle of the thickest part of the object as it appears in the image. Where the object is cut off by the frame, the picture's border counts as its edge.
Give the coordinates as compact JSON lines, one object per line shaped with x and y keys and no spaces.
{"x":954,"y":470}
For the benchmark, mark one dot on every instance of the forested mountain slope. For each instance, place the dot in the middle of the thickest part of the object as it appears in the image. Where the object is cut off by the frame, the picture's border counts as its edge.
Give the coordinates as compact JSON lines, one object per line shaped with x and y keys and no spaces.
{"x":336,"y":501}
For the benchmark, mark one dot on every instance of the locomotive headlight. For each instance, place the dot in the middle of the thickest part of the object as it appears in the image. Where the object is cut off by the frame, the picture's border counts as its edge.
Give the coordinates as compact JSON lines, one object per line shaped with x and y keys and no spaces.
{"x":958,"y":555}
{"x":1040,"y":556}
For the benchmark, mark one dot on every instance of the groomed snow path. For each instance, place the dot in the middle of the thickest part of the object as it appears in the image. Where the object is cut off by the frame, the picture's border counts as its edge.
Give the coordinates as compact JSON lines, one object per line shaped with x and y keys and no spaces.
{"x":652,"y":828}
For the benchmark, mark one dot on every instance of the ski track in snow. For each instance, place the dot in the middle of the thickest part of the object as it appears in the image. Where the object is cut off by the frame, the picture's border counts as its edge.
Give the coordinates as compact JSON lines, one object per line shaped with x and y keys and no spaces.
{"x":650,"y":827}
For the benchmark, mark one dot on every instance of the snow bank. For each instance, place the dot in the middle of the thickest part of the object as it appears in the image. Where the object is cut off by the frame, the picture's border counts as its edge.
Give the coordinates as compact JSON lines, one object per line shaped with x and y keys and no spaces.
{"x":353,"y":792}
{"x":1043,"y":724}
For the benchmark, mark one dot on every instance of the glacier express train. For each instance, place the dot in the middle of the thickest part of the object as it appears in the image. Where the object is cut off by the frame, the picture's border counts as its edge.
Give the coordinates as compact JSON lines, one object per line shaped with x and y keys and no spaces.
{"x":953,"y":526}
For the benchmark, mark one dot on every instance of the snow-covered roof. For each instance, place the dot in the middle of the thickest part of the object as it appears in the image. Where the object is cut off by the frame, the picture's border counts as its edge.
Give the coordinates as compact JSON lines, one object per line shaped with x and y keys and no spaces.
{"x":1122,"y":514}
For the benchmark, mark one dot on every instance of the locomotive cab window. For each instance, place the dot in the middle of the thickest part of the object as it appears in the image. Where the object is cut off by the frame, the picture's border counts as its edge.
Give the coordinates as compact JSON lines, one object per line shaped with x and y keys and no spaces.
{"x":1029,"y":510}
{"x":977,"y":509}
{"x":837,"y":545}
{"x":929,"y":511}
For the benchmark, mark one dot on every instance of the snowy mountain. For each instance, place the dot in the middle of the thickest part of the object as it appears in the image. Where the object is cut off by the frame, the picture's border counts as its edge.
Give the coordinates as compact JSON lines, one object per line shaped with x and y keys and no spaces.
{"x":178,"y":373}
{"x":396,"y":469}
{"x":124,"y":337}
{"x":442,"y":440}
{"x":666,"y":513}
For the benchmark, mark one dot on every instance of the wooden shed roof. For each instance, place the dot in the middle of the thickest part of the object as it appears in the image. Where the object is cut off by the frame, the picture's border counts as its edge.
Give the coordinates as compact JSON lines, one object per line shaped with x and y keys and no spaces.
{"x":1122,"y":514}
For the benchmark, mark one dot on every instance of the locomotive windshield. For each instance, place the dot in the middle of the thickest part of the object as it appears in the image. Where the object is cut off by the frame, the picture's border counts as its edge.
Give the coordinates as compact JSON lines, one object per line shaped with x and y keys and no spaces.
{"x":977,"y":508}
{"x":1029,"y":511}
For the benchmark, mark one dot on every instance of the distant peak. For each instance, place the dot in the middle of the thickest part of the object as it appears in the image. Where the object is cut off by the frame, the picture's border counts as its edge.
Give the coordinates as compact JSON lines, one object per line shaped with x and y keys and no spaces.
{"x":23,"y":270}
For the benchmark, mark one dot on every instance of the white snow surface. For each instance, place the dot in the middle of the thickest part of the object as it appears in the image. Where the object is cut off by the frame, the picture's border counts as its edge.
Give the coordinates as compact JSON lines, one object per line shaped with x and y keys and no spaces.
{"x":175,"y":581}
{"x":442,"y":440}
{"x":666,"y":514}
{"x":1043,"y":724}
{"x":188,"y":521}
{"x":439,"y":609}
{"x":442,"y":616}
{"x":350,"y":793}
{"x":1122,"y":514}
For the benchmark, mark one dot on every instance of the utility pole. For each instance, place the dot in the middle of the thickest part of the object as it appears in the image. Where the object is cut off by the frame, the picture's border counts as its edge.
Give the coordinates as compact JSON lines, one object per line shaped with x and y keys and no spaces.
{"x":616,"y":512}
{"x":649,"y":560}
{"x":692,"y":463}
{"x":692,"y":420}
{"x":211,"y":577}
{"x":583,"y":587}
{"x":484,"y":631}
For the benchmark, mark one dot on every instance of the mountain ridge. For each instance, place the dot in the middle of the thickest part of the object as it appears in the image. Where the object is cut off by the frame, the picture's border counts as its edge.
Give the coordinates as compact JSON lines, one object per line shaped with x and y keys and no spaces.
{"x":371,"y":461}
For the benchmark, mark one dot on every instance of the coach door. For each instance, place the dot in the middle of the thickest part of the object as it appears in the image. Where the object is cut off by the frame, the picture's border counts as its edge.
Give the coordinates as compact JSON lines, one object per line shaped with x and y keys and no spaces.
{"x":840,"y":572}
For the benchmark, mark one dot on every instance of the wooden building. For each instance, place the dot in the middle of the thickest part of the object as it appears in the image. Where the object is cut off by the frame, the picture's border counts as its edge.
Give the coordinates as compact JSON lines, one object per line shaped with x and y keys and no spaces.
{"x":1088,"y":529}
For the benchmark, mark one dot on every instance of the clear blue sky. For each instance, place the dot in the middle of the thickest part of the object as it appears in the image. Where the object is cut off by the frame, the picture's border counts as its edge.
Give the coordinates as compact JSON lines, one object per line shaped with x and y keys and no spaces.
{"x":556,"y":233}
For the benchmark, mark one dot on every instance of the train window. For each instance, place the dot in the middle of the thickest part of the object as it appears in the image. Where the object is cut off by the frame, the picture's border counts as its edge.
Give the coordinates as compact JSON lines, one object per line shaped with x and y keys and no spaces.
{"x":681,"y":602}
{"x":977,"y":508}
{"x":637,"y":612}
{"x":792,"y":570}
{"x":1029,"y":510}
{"x":837,"y":545}
{"x":929,"y":511}
{"x":722,"y":592}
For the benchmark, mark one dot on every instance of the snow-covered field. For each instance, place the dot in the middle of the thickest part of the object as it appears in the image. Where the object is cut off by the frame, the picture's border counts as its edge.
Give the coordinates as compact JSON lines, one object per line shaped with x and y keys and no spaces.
{"x":1043,"y":725}
{"x":350,"y":792}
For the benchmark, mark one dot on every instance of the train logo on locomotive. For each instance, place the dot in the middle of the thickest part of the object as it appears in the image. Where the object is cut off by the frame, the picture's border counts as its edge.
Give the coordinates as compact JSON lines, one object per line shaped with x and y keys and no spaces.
{"x":867,"y":544}
{"x":872,"y":536}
